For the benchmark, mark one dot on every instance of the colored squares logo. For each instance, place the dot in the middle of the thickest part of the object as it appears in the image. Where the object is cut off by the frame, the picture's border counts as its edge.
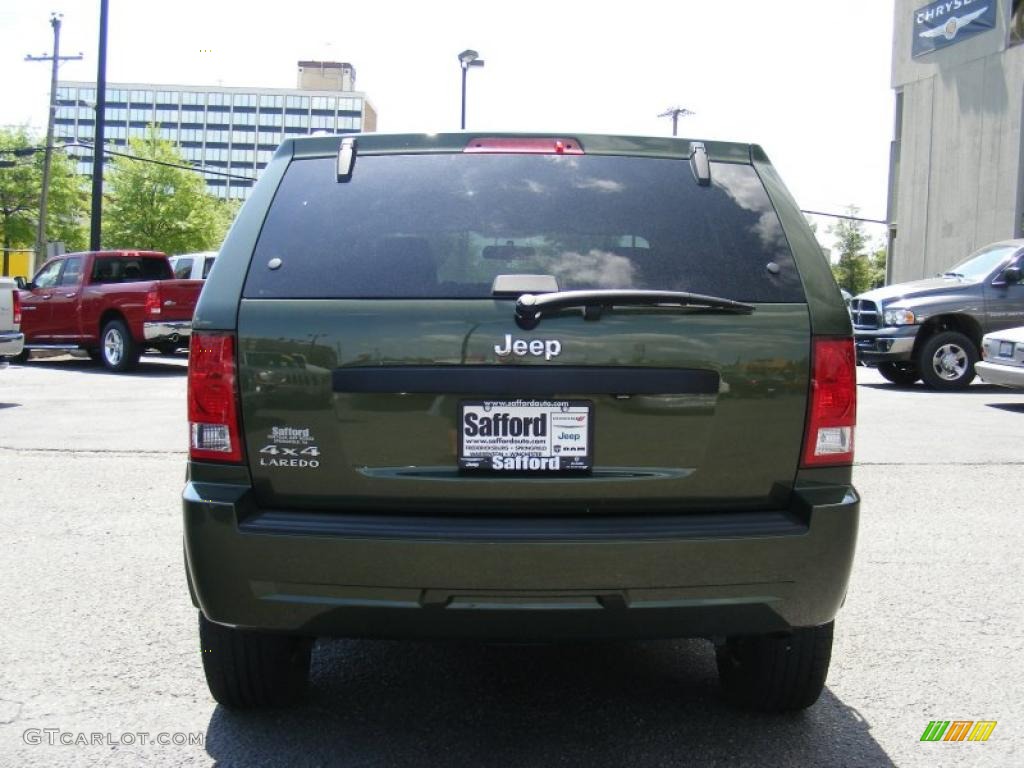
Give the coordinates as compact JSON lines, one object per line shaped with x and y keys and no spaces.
{"x":958,"y":730}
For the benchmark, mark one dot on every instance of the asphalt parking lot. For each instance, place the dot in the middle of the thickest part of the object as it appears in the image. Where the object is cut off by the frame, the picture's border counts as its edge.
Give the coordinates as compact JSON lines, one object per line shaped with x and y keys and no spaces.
{"x":99,"y":634}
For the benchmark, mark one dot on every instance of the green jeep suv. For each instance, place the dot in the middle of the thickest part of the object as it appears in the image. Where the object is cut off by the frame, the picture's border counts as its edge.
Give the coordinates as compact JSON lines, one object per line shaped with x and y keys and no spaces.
{"x":520,"y":388}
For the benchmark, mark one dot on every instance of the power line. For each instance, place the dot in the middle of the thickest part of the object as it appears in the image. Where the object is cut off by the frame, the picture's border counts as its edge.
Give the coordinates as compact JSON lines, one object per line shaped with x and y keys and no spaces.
{"x":845,"y":216}
{"x":196,"y":168}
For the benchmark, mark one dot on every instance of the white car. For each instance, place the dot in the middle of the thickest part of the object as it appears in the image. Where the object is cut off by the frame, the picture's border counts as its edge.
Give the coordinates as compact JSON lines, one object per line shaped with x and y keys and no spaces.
{"x":1002,"y":360}
{"x":193,"y":266}
{"x":12,"y":340}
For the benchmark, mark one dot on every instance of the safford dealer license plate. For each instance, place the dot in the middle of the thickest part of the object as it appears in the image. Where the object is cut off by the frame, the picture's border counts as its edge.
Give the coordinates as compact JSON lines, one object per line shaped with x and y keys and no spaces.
{"x":526,"y":435}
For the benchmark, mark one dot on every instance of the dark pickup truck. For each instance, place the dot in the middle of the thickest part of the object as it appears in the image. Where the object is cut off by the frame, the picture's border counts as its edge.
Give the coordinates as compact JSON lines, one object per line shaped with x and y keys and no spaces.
{"x":931,"y":329}
{"x":113,"y":304}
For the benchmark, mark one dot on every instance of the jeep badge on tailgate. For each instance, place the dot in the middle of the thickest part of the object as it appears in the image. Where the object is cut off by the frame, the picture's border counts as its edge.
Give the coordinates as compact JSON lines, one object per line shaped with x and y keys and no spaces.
{"x":536,"y":347}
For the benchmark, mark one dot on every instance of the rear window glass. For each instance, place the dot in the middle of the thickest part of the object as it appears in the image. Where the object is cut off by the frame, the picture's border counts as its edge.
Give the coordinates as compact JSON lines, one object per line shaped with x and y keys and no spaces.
{"x":182,"y":268}
{"x":443,"y":226}
{"x":129,"y":269}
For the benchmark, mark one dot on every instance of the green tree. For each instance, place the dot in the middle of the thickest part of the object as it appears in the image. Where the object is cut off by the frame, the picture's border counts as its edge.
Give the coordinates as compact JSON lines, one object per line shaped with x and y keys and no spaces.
{"x":877,"y":262}
{"x":853,"y":270}
{"x":20,"y":185}
{"x":160,"y":207}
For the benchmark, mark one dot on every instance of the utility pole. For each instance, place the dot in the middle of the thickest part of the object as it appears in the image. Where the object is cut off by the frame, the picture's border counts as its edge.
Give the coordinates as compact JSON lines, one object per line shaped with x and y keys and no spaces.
{"x":56,"y":58}
{"x":675,"y":113}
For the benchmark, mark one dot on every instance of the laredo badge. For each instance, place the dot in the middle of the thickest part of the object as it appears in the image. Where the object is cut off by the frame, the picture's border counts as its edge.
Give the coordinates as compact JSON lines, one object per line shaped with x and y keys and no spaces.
{"x":290,"y":447}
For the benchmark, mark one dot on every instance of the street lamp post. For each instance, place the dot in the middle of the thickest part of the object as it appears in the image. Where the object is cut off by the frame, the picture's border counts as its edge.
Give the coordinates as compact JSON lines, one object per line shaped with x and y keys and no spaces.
{"x":467,"y":59}
{"x":101,"y":115}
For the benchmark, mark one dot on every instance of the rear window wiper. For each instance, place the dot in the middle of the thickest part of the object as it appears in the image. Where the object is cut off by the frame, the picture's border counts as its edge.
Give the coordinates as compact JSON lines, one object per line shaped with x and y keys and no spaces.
{"x":530,"y":308}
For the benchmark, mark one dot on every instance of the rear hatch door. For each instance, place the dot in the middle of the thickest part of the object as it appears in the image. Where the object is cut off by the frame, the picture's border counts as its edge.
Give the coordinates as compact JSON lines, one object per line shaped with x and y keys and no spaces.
{"x":379,"y":369}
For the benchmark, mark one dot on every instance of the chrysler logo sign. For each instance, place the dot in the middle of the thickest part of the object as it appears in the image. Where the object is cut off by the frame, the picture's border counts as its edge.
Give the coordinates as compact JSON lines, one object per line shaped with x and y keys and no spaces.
{"x":947,"y":22}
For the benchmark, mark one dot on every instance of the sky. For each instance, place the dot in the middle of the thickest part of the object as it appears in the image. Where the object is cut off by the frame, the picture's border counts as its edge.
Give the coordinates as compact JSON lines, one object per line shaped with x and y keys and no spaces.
{"x":808,"y":80}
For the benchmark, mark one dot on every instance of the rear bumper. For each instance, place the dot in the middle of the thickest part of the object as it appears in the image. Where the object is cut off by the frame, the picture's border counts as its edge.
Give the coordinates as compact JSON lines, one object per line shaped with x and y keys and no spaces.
{"x":895,"y":345}
{"x":330,"y":574}
{"x":11,"y":343}
{"x":1003,"y":375}
{"x":167,"y":331}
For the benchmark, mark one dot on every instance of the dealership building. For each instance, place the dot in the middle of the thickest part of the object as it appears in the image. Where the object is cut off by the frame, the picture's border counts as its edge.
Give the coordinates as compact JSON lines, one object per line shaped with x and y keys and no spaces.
{"x":957,"y":160}
{"x":230,"y":132}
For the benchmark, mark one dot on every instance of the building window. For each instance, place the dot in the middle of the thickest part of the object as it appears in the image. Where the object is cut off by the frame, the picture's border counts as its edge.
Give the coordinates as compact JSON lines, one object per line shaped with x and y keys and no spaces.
{"x":245,"y":100}
{"x":117,"y":96}
{"x":298,"y":102}
{"x":64,"y":93}
{"x":142,"y":97}
{"x":271,"y":101}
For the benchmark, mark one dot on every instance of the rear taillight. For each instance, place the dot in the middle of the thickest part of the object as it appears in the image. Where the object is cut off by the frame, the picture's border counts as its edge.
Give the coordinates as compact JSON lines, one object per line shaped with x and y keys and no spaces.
{"x":17,"y":309}
{"x":213,"y":399}
{"x":153,"y":301}
{"x":832,"y":413}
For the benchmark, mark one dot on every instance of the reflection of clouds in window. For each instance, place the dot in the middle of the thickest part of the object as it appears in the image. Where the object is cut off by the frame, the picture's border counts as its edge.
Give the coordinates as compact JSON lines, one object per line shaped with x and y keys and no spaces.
{"x":536,"y":187}
{"x":601,"y":185}
{"x":770,"y":231}
{"x":596,"y":268}
{"x":564,"y":160}
{"x":746,"y":191}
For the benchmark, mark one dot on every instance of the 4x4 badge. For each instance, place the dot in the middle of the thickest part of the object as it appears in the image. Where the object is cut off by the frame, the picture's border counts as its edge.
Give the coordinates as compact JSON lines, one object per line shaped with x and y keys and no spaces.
{"x":519,"y":347}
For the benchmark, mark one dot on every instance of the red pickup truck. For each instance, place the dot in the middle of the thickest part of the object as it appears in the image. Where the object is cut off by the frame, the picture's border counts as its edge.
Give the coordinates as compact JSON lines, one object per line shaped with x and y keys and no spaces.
{"x":113,"y":304}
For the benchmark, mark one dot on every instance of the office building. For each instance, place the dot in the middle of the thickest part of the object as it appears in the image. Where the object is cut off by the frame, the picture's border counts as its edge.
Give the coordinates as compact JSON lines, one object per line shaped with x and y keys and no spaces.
{"x":232,"y":132}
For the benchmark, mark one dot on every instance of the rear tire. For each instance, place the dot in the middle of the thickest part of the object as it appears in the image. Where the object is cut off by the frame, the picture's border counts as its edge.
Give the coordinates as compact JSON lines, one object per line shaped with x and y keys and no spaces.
{"x":248,"y":670}
{"x":167,"y":349}
{"x":21,"y":357}
{"x":946,"y":361}
{"x":772,"y":673}
{"x":900,"y":374}
{"x":118,"y":351}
